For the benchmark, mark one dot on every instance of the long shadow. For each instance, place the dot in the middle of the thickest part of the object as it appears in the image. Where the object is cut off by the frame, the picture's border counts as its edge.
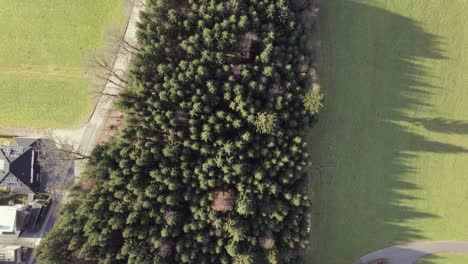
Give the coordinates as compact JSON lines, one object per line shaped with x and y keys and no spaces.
{"x":362,"y":148}
{"x":442,"y":125}
{"x":432,"y":252}
{"x":431,"y":259}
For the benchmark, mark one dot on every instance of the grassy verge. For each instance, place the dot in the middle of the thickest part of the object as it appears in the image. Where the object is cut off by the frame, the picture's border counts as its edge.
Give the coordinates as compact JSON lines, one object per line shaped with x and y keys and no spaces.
{"x":391,"y":149}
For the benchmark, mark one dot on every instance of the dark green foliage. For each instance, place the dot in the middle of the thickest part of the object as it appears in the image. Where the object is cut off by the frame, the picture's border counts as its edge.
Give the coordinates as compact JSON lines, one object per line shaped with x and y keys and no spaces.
{"x":215,"y":105}
{"x":54,"y":249}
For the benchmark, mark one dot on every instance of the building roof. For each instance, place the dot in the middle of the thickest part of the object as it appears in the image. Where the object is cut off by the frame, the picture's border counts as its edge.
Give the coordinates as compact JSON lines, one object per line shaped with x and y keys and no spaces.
{"x":18,"y":161}
{"x":7,"y":218}
{"x":23,"y":141}
{"x":10,"y":247}
{"x":10,"y":254}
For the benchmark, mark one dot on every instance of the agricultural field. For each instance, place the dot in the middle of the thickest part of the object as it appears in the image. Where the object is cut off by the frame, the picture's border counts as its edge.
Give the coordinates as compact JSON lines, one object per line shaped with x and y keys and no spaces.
{"x":43,"y":48}
{"x":390,"y":151}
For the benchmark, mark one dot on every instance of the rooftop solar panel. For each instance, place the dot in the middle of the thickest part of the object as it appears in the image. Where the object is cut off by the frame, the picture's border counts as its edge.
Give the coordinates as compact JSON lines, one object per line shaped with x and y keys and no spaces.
{"x":16,"y":151}
{"x":7,"y":151}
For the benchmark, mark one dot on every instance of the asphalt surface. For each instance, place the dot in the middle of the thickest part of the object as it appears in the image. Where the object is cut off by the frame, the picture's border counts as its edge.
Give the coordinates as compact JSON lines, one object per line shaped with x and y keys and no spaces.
{"x":410,"y":253}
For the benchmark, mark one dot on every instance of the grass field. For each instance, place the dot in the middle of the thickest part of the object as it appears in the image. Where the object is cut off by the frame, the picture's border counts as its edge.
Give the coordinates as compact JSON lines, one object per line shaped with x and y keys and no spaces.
{"x":444,"y":259}
{"x":391,"y":148}
{"x":43,"y":46}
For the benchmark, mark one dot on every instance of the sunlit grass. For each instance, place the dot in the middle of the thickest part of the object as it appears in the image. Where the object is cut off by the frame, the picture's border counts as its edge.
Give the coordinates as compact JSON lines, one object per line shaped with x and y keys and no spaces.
{"x":444,"y":259}
{"x":43,"y":47}
{"x":390,"y":151}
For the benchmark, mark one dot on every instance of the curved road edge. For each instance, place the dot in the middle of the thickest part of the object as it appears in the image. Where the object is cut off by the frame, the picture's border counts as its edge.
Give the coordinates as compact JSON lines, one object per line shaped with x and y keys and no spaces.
{"x":412,"y":252}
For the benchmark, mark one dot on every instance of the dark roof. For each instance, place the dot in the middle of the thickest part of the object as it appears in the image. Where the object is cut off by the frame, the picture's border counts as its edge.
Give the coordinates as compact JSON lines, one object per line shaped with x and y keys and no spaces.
{"x":17,"y":161}
{"x":21,"y":167}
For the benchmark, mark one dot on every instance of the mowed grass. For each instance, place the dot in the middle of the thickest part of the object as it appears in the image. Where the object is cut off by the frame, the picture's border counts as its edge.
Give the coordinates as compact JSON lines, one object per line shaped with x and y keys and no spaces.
{"x":390,"y":151}
{"x":444,"y":259}
{"x":45,"y":102}
{"x":43,"y":47}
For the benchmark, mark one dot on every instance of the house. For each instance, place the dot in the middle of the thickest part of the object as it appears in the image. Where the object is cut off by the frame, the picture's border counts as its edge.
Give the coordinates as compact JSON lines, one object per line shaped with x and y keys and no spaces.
{"x":7,"y":220}
{"x":12,"y":220}
{"x":19,"y":168}
{"x":10,"y":254}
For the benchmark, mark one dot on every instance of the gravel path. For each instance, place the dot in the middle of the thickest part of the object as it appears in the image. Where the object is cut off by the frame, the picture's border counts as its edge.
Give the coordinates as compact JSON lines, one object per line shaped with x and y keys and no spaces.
{"x":410,"y":253}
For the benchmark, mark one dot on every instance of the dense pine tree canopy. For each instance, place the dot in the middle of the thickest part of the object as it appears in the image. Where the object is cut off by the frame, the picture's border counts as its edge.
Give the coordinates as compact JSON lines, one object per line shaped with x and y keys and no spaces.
{"x":209,"y":167}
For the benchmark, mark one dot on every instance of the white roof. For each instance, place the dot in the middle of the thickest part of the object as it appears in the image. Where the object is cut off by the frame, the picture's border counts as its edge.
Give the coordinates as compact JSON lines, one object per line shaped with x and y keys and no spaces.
{"x":9,"y":254}
{"x":7,"y":218}
{"x":11,"y":247}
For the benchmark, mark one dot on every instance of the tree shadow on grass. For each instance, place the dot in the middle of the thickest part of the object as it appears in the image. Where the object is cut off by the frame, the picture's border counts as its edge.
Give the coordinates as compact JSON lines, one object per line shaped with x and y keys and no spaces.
{"x":430,"y":259}
{"x":363,"y":148}
{"x":442,"y":258}
{"x":442,"y":125}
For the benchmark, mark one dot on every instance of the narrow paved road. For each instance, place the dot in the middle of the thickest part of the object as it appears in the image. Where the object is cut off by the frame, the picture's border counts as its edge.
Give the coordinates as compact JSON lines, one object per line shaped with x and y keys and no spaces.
{"x":410,"y":253}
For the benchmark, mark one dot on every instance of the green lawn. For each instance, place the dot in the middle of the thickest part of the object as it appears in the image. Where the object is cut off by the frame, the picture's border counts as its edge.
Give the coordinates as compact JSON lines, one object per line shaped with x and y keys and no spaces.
{"x":444,"y":259}
{"x":5,"y":140}
{"x":391,"y":148}
{"x":42,"y":51}
{"x":16,"y":199}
